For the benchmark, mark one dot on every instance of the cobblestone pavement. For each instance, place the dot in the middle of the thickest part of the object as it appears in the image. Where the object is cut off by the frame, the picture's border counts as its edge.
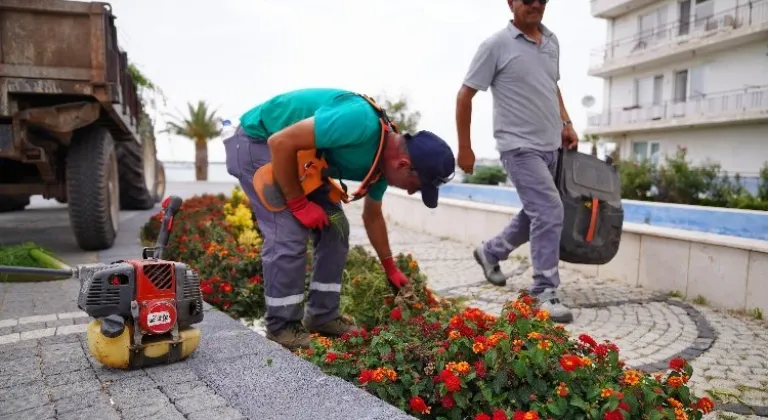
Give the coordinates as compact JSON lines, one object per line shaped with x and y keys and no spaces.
{"x":728,"y":352}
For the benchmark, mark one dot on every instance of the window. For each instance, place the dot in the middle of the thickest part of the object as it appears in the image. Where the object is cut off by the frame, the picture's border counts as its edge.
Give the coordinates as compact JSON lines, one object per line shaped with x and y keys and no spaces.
{"x":643,"y":150}
{"x":705,"y":10}
{"x":684,"y":20}
{"x":649,"y":90}
{"x":652,"y":25}
{"x":690,"y":84}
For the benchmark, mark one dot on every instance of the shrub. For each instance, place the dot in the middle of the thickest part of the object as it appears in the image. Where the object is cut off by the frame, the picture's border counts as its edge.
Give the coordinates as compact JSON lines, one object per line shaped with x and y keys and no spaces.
{"x":486,"y":175}
{"x":432,"y":357}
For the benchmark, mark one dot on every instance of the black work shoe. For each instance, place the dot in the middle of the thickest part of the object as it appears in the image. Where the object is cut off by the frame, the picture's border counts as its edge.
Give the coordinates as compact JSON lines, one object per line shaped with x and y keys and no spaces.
{"x":292,"y":337}
{"x":336,"y":328}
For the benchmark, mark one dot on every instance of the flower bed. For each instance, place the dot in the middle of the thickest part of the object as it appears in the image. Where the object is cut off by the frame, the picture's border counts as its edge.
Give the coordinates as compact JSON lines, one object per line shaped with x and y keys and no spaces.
{"x":433,"y":357}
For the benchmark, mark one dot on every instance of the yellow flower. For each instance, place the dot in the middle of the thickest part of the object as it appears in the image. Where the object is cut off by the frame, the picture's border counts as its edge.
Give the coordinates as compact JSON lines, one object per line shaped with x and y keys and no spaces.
{"x":249,"y":237}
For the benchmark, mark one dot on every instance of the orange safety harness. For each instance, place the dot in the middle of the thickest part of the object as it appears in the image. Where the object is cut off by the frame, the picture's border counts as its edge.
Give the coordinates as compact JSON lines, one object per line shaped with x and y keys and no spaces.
{"x":314,"y":171}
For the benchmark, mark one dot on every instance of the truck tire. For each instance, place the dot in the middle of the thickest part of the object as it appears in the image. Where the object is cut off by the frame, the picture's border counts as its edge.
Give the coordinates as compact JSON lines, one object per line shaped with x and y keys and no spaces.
{"x":93,"y":188}
{"x":160,"y":182}
{"x":137,"y":176}
{"x":9,"y":203}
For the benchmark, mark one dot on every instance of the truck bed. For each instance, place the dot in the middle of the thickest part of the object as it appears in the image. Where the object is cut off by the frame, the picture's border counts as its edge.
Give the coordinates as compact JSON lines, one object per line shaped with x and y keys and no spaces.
{"x":56,"y":53}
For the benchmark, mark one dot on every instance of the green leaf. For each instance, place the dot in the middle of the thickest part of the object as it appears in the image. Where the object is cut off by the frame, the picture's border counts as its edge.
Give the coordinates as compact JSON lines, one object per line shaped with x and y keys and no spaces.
{"x":576,"y":401}
{"x":555,"y":409}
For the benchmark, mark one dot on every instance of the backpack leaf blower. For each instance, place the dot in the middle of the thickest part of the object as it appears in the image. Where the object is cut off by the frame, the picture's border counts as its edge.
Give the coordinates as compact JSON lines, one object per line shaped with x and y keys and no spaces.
{"x":143,"y":309}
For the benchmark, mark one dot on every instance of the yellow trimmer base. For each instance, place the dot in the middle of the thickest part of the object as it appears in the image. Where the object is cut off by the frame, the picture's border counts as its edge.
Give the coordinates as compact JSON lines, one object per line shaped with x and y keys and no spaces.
{"x":116,"y":352}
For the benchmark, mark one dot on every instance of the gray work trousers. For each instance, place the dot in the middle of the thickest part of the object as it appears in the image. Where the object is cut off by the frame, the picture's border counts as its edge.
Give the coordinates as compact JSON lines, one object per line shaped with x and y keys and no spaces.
{"x":284,"y":248}
{"x":541,"y":219}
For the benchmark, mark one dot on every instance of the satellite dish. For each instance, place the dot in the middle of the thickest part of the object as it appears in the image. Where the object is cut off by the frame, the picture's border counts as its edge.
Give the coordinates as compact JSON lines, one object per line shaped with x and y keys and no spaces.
{"x":588,"y":101}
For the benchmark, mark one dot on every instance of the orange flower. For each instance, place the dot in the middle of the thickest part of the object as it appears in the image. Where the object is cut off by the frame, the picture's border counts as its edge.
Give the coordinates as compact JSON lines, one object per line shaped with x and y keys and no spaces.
{"x":544,"y":345}
{"x":461,"y":367}
{"x":479,"y":345}
{"x":675,"y":381}
{"x":631,"y":378}
{"x":454,"y":335}
{"x":542,"y":315}
{"x":586,"y":361}
{"x":517,"y":345}
{"x":606,"y":392}
{"x":325,"y":341}
{"x":534,"y":335}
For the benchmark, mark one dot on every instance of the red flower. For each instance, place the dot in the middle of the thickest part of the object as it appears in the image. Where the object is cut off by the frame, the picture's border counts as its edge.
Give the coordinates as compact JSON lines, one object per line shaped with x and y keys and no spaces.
{"x":586,"y":339}
{"x":677,"y":364}
{"x":500,"y":415}
{"x":365,"y":376}
{"x":419,"y":406}
{"x":614,"y":415}
{"x":451,"y":381}
{"x":225,"y":287}
{"x":330,"y":357}
{"x":569,"y":363}
{"x":482,"y":416}
{"x":206,"y":288}
{"x":396,"y":314}
{"x":447,"y":401}
{"x":255,"y":279}
{"x":480,"y":370}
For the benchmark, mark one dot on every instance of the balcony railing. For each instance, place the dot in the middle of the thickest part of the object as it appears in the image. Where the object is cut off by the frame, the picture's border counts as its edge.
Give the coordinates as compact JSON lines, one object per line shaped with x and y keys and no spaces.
{"x":718,"y":105}
{"x":753,"y":14}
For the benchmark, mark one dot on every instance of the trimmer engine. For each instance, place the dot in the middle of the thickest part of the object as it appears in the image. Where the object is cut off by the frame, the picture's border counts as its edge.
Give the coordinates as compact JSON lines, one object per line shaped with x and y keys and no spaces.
{"x":144,"y":309}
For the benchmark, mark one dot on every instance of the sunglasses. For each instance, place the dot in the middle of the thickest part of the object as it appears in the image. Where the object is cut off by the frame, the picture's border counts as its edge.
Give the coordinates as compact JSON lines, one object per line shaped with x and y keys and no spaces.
{"x":530,"y":2}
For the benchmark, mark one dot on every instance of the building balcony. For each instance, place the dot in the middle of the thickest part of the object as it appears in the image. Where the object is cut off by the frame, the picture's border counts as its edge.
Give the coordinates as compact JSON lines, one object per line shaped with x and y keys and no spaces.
{"x":667,"y":44}
{"x":610,"y":9}
{"x":720,"y":108}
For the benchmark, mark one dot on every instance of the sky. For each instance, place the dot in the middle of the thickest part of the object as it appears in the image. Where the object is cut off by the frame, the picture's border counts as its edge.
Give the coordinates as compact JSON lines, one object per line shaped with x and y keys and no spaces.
{"x":236,"y":53}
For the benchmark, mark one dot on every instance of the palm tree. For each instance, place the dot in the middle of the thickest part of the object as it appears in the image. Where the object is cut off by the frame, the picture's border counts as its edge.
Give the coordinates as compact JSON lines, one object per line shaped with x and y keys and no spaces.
{"x":200,"y":125}
{"x":595,"y":140}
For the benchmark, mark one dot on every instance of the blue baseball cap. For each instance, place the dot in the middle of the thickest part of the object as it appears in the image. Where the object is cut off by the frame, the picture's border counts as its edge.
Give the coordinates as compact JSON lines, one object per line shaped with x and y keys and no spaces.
{"x":433,"y":160}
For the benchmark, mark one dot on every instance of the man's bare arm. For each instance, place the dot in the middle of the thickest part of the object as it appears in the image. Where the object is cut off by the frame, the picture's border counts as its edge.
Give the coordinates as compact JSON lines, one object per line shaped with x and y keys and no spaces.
{"x":376,"y":227}
{"x":563,"y":113}
{"x":284,"y":145}
{"x":464,"y":116}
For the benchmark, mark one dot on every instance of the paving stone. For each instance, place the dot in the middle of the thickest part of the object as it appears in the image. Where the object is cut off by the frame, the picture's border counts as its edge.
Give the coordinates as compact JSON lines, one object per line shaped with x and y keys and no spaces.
{"x":42,"y":412}
{"x":99,"y":412}
{"x":195,"y":405}
{"x":155,"y":412}
{"x":218,"y":413}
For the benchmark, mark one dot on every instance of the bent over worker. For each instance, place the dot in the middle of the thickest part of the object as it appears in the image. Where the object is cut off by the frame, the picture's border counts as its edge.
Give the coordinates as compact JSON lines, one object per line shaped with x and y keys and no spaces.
{"x":358,"y":143}
{"x":521,"y":65}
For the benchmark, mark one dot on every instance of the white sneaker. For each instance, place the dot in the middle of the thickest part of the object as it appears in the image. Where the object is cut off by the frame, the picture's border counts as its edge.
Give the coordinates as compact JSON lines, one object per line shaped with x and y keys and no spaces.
{"x":549,"y":301}
{"x":492,"y":272}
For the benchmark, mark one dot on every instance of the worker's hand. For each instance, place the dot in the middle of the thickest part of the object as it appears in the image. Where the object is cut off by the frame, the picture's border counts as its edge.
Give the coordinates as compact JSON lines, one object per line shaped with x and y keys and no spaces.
{"x":309,"y":214}
{"x":570,"y":138}
{"x":466,"y":160}
{"x":394,"y":275}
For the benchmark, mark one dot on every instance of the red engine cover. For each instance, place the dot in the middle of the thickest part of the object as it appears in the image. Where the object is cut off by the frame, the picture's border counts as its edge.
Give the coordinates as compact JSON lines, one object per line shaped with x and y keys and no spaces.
{"x":156,"y":295}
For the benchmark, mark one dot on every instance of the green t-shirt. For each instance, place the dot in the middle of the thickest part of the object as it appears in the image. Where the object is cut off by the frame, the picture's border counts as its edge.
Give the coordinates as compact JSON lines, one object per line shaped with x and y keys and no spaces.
{"x":347,"y":128}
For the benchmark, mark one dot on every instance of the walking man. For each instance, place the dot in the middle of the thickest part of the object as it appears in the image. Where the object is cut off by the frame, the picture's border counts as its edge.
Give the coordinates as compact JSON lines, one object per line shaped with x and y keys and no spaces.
{"x":347,"y":129}
{"x":520,"y":63}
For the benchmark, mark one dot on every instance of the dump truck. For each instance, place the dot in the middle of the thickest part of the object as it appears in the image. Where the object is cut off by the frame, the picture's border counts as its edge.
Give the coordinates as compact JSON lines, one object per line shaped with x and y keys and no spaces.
{"x":72,"y":125}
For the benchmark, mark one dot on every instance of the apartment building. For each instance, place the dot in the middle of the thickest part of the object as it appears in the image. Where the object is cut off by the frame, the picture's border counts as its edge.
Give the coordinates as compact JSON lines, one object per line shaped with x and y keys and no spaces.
{"x":691,"y":73}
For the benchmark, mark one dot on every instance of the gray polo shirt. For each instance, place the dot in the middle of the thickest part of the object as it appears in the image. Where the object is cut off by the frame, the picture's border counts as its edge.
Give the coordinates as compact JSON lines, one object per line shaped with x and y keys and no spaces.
{"x":523,"y":79}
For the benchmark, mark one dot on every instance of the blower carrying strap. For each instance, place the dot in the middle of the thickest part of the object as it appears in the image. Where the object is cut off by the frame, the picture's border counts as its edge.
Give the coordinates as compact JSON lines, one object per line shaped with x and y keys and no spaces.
{"x":374,"y":173}
{"x":314,"y":170}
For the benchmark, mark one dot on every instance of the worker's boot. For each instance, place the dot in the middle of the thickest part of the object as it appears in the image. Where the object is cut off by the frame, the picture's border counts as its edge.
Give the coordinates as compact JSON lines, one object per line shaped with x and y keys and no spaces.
{"x":293,"y":336}
{"x":335,"y":328}
{"x":492,"y":272}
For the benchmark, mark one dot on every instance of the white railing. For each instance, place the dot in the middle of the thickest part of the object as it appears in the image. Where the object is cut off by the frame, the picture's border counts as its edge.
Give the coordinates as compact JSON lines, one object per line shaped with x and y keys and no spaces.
{"x":750,"y":15}
{"x":708,"y":106}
